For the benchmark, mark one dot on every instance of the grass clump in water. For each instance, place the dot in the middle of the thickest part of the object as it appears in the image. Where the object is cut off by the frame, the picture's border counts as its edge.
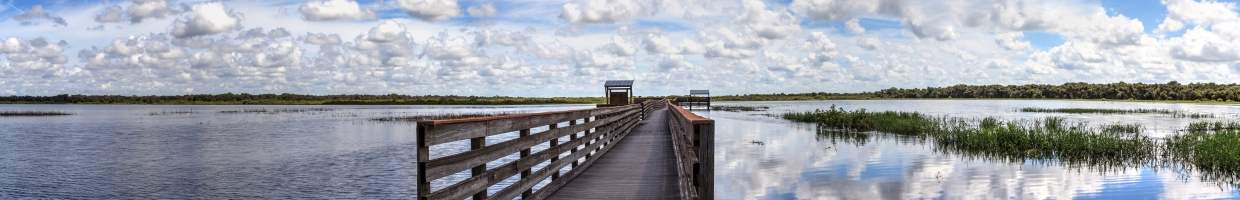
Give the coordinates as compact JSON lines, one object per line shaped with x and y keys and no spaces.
{"x":442,"y":116}
{"x":1176,"y":114}
{"x":31,"y":113}
{"x":1048,"y":138}
{"x":1097,"y":111}
{"x":739,"y":108}
{"x":1123,"y":128}
{"x":1212,"y":126}
{"x":1212,"y":147}
{"x":906,"y":123}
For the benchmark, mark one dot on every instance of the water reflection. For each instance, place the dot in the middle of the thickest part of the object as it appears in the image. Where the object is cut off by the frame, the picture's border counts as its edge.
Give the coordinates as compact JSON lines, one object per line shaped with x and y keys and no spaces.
{"x":801,"y":161}
{"x":215,"y":152}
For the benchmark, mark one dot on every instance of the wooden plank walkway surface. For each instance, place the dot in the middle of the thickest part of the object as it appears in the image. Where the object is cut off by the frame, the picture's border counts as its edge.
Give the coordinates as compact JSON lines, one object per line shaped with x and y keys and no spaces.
{"x":640,"y":166}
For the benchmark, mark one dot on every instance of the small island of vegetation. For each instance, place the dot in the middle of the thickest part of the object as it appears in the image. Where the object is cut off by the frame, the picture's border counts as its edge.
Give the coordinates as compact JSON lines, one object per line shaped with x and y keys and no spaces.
{"x":31,"y":113}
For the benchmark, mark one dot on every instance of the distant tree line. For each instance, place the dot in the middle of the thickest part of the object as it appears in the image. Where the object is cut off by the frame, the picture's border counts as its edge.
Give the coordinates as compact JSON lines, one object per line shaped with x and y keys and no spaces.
{"x":1171,"y":91}
{"x":296,"y":99}
{"x":1119,"y":91}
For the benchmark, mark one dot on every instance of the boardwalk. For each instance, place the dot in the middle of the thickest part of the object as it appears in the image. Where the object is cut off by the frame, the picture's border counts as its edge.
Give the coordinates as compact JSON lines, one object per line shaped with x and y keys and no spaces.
{"x":642,"y":166}
{"x":649,"y":150}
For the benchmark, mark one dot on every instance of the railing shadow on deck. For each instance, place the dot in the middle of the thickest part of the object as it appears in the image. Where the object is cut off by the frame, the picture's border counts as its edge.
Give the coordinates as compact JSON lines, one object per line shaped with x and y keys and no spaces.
{"x":591,"y":133}
{"x":693,"y":141}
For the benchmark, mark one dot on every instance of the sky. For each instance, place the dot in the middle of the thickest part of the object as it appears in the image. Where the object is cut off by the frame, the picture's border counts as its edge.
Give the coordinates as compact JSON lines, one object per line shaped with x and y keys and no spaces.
{"x":569,"y":47}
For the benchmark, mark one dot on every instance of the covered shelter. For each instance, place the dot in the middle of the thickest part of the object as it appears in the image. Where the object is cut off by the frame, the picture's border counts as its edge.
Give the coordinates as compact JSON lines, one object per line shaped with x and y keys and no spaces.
{"x":699,"y":98}
{"x":618,"y":92}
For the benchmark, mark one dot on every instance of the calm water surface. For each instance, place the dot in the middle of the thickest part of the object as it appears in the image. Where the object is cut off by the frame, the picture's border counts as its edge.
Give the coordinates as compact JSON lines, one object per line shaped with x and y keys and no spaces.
{"x":215,"y":152}
{"x":211,"y":152}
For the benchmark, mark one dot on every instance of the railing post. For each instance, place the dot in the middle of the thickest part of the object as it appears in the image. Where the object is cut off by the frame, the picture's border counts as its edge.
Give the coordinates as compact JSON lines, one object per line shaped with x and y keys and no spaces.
{"x":424,"y":185}
{"x":706,"y":160}
{"x":572,"y":138}
{"x":526,"y":172}
{"x":476,"y":144}
{"x":554,"y":142}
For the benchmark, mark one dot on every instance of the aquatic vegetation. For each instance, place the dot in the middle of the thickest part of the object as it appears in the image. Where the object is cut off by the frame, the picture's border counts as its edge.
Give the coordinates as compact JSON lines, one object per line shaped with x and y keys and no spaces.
{"x":1050,"y":138}
{"x":1123,"y":128}
{"x":907,"y":123}
{"x":1212,"y":126}
{"x":739,"y":108}
{"x":1173,"y":113}
{"x":31,"y":113}
{"x":178,"y":112}
{"x":1192,"y":115}
{"x":275,"y":111}
{"x":1097,"y":110}
{"x":1212,"y":148}
{"x":441,"y":116}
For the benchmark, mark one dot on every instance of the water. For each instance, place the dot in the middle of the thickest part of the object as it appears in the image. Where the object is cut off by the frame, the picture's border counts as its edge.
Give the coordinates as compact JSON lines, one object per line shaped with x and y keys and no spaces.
{"x":158,"y":152}
{"x":155,"y":152}
{"x":763,"y":157}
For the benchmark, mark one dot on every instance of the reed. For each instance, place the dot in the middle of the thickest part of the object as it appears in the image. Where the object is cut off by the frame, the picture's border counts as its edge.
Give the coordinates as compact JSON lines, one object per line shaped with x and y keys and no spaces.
{"x":907,"y":123}
{"x":441,"y":116}
{"x":1050,"y":139}
{"x":31,"y":113}
{"x":1097,"y":111}
{"x":1212,"y":126}
{"x":1173,"y":113}
{"x":739,"y":108}
{"x":1047,"y":138}
{"x":275,"y":111}
{"x":1212,"y":148}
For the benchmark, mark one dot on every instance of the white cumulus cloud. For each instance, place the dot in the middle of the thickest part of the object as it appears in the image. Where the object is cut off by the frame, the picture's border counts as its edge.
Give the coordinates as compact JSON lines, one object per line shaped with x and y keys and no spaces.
{"x":206,"y":19}
{"x":329,"y":10}
{"x":430,"y":10}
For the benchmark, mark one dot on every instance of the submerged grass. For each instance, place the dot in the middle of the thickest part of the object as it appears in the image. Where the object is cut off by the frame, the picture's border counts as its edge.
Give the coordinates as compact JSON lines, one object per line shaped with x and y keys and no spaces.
{"x":1097,"y":110}
{"x":739,"y":108}
{"x":1176,"y":114}
{"x":274,"y":111}
{"x":416,"y":118}
{"x":31,"y":113}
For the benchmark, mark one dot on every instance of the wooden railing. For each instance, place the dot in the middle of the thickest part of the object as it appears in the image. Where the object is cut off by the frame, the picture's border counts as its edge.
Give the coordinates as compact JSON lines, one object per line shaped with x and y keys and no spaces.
{"x":591,"y":133}
{"x":693,"y":140}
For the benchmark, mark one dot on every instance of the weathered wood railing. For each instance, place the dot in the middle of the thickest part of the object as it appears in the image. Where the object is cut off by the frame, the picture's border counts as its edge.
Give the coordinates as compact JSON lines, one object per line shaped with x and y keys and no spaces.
{"x":693,"y":140}
{"x":591,"y":133}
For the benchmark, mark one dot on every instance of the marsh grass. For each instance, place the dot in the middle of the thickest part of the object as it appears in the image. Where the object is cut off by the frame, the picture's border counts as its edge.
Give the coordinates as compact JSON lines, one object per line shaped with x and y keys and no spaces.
{"x":1047,"y":139}
{"x":176,"y":112}
{"x":1212,"y":148}
{"x":906,"y":123}
{"x":1176,"y":114}
{"x":1123,"y":128}
{"x":416,"y":118}
{"x":1051,"y":138}
{"x":739,"y":108}
{"x":1212,"y":126}
{"x":274,"y":111}
{"x":31,"y":113}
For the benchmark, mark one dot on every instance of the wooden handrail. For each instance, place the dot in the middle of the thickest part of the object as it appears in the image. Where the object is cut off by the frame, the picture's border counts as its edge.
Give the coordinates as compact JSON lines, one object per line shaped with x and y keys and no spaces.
{"x":599,"y":129}
{"x":693,"y":139}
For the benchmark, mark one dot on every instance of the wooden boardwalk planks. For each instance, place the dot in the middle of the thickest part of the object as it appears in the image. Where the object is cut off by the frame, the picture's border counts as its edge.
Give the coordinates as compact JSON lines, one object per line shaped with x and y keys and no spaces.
{"x":641,"y":166}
